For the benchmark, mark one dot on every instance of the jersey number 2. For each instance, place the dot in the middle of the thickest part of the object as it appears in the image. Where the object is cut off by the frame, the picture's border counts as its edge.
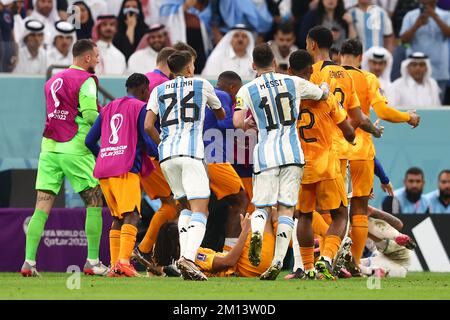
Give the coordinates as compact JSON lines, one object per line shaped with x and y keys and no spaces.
{"x":185,"y":106}
{"x":302,"y":129}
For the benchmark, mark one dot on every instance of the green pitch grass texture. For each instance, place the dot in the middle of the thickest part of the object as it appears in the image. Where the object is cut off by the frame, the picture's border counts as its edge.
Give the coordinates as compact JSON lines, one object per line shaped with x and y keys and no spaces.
{"x":424,"y":285}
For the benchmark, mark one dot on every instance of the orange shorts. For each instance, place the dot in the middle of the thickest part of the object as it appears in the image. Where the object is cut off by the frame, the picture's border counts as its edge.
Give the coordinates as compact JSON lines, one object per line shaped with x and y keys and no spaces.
{"x":248,"y":185}
{"x":362,"y":173}
{"x":223,"y":180}
{"x":323,"y":195}
{"x":122,"y":193}
{"x":155,"y":185}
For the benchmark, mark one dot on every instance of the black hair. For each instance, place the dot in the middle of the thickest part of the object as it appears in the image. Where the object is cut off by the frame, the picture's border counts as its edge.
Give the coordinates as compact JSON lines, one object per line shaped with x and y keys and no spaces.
{"x":414,"y":171}
{"x":181,"y":46}
{"x":136,"y":80}
{"x":334,"y":50}
{"x":167,"y":246}
{"x":352,"y":47}
{"x":285,"y":27}
{"x":445,"y":171}
{"x":339,"y":11}
{"x":178,"y":60}
{"x":300,"y":60}
{"x":229,"y":76}
{"x":322,"y":36}
{"x":164,"y":54}
{"x":82,"y":46}
{"x":263,"y":56}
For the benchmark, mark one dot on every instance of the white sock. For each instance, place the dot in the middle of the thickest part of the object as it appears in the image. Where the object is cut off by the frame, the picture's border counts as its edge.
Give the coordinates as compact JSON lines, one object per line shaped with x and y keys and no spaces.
{"x":284,"y":234}
{"x":183,"y":223}
{"x":258,"y":221}
{"x":93,"y":262}
{"x":31,"y":262}
{"x":298,"y":262}
{"x":196,"y":232}
{"x":382,"y":230}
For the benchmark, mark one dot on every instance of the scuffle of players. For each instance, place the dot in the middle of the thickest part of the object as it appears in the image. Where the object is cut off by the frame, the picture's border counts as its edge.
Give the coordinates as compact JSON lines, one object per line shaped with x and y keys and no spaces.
{"x":177,"y":137}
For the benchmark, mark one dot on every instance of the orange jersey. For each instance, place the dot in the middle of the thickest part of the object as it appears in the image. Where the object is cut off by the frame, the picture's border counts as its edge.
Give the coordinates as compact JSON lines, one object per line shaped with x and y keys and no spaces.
{"x":342,"y":86}
{"x":316,"y":120}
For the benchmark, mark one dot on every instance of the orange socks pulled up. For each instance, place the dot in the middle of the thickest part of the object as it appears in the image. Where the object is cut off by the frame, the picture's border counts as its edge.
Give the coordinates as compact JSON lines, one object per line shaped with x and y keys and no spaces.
{"x":319,"y":225}
{"x":164,"y":214}
{"x":327,"y":218}
{"x":307,"y":254}
{"x":114,"y":246}
{"x":331,"y":246}
{"x":360,"y":230}
{"x":127,"y":241}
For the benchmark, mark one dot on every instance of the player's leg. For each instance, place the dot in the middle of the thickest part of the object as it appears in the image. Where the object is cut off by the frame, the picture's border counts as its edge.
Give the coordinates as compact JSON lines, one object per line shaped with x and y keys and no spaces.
{"x":248,"y":186}
{"x":265,"y":195}
{"x":48,"y":183}
{"x":297,"y":269}
{"x":114,"y":240}
{"x":362,"y":173}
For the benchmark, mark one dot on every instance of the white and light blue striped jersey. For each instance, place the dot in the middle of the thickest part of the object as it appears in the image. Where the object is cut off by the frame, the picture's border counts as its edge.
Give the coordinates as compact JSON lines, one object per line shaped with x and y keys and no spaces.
{"x":436,"y":206}
{"x":274,"y":100}
{"x":180,"y":104}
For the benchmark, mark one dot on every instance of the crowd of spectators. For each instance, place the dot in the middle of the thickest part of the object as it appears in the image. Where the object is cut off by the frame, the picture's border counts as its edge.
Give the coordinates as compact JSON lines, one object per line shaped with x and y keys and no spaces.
{"x":406,"y":42}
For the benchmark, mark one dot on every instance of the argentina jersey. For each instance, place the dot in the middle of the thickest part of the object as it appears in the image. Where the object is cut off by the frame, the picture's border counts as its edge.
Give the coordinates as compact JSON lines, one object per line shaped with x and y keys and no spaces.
{"x":180,"y":104}
{"x":274,"y":100}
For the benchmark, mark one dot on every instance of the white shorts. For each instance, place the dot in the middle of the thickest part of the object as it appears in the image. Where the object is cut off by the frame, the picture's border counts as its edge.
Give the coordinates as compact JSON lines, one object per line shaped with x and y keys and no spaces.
{"x":186,"y":177}
{"x":277,"y":185}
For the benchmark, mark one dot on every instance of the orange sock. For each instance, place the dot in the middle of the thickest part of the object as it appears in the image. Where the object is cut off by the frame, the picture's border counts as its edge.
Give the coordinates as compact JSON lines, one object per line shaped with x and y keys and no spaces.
{"x":164,"y":214}
{"x":307,"y":254}
{"x":127,"y":240}
{"x":321,"y":241}
{"x":114,"y":246}
{"x":327,"y":218}
{"x":360,"y":230}
{"x":319,"y":225}
{"x":331,"y":246}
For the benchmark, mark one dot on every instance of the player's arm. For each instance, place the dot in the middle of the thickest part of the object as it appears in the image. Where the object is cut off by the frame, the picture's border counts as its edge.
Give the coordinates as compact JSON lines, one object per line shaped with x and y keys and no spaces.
{"x":151,"y":116}
{"x":309,"y":90}
{"x":383,"y":215}
{"x":93,"y":136}
{"x":386,"y":185}
{"x":213,"y":101}
{"x":232,"y":257}
{"x":339,"y":117}
{"x":367,"y":125}
{"x":87,"y":99}
{"x":227,"y":122}
{"x":150,"y":146}
{"x":240,"y":111}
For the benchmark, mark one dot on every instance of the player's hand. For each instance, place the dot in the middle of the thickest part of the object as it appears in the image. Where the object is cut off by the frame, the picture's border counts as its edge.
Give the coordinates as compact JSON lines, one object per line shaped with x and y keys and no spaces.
{"x":245,"y":222}
{"x":388,"y":188}
{"x":379,"y":130}
{"x":249,"y":123}
{"x":414,"y":118}
{"x":326,"y":90}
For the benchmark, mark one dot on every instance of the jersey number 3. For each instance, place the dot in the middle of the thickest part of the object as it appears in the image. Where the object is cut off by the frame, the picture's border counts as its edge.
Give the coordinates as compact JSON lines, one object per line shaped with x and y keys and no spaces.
{"x":185,"y":106}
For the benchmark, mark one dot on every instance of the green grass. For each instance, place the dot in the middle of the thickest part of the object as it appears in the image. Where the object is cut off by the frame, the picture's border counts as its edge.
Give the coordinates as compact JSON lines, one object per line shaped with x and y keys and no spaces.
{"x":53,"y":286}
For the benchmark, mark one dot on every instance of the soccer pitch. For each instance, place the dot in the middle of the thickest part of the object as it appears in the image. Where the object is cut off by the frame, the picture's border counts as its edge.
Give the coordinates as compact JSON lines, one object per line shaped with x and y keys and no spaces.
{"x":423,"y":285}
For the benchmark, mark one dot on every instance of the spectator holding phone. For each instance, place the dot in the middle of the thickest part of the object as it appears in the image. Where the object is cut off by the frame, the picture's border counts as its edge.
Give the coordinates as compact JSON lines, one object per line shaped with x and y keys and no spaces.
{"x":283,"y":45}
{"x":131,"y":27}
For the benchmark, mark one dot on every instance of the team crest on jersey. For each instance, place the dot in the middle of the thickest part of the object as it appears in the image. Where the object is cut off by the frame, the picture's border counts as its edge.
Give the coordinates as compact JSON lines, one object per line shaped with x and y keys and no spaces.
{"x":239,"y":103}
{"x":201,"y":257}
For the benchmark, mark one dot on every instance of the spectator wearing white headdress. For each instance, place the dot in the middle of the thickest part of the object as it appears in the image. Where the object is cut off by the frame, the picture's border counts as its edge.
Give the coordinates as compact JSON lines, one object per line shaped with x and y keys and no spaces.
{"x":32,"y":56}
{"x":64,"y":36}
{"x":232,"y":53}
{"x":416,"y":88}
{"x":378,"y":60}
{"x":46,"y":12}
{"x":144,"y":59}
{"x":112,"y":61}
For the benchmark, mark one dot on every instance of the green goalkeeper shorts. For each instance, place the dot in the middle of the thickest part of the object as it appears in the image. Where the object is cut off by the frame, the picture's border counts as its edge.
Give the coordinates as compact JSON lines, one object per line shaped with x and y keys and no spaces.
{"x":53,"y":167}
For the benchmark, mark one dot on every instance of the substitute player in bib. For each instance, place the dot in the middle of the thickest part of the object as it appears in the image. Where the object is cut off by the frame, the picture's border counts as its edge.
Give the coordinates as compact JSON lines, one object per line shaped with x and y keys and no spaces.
{"x":321,"y":185}
{"x":274,"y":100}
{"x":71,"y":98}
{"x":181,"y":105}
{"x":121,"y":156}
{"x":363,"y":153}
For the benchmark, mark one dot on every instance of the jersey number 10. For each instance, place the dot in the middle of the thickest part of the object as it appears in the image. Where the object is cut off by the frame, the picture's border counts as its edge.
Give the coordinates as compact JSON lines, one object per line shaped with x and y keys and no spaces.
{"x":285,"y":110}
{"x":185,"y":106}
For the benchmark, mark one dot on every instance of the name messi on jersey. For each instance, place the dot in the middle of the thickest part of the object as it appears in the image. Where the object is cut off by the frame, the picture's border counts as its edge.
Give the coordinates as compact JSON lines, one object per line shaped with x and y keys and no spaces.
{"x":270,"y":84}
{"x":185,"y":83}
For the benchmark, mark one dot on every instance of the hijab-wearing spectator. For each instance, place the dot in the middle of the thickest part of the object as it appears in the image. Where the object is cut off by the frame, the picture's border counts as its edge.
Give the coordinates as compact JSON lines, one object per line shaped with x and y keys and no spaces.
{"x":189,"y":21}
{"x":64,"y":36}
{"x":97,"y":7}
{"x":416,"y":87}
{"x":131,"y":27}
{"x":378,"y":60}
{"x":232,"y":53}
{"x":330,"y":14}
{"x":32,"y":56}
{"x":144,"y":59}
{"x":86,"y":20}
{"x":112,"y":61}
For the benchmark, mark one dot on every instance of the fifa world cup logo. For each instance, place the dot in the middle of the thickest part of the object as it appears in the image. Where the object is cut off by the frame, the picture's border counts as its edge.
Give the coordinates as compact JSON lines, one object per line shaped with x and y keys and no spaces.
{"x":55,"y":86}
{"x":115,"y":124}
